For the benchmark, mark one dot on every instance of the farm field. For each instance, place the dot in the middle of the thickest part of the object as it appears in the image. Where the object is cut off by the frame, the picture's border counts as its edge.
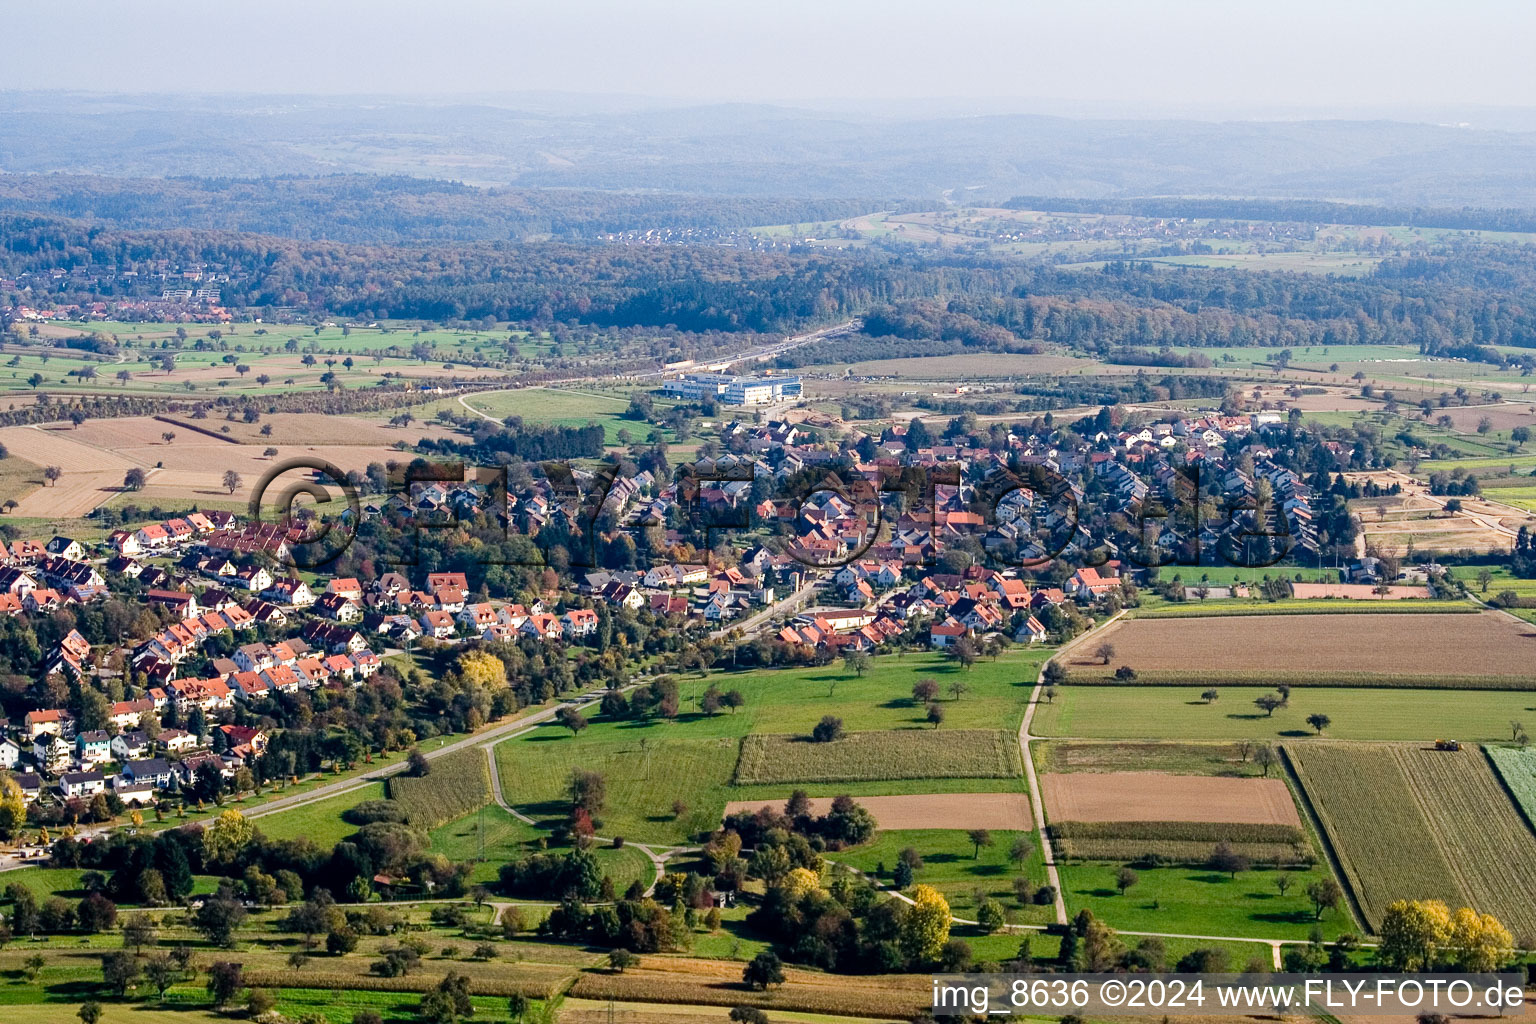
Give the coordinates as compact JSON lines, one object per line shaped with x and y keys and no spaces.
{"x":490,"y":837}
{"x":1179,"y":713}
{"x":1517,"y":767}
{"x":459,"y":783}
{"x":1409,"y":822}
{"x":1064,"y":756}
{"x":190,"y":468}
{"x":1214,"y":607}
{"x":1200,"y":901}
{"x":651,"y":764}
{"x":860,"y":756}
{"x":954,"y":866}
{"x":1007,"y":811}
{"x":1158,"y":796}
{"x":570,"y":408}
{"x":1487,"y":842}
{"x":960,"y":367}
{"x":1268,"y":648}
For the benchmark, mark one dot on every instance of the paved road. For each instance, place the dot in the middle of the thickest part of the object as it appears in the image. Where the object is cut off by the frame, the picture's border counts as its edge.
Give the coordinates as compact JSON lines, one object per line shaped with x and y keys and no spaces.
{"x":781,"y":607}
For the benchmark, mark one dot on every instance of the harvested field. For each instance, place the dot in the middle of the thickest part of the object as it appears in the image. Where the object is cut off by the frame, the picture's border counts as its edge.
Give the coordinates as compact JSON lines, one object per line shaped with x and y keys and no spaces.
{"x":1338,"y":650}
{"x":591,"y":1011}
{"x":320,"y":429}
{"x":1003,"y":811}
{"x":1158,"y":796}
{"x":896,"y":754}
{"x":1375,"y":824}
{"x":1487,"y":843}
{"x":690,"y":980}
{"x":96,"y":455}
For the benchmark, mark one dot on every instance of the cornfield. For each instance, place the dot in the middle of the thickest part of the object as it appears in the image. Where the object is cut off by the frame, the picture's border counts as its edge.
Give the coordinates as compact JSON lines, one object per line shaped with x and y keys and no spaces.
{"x":458,"y":783}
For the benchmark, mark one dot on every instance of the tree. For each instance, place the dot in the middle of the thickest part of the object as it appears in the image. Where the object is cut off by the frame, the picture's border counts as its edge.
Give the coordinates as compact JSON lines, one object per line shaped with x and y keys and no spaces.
{"x":925,"y":691}
{"x":1104,"y":652}
{"x":1283,"y":882}
{"x":449,"y":1002}
{"x":1325,"y":894}
{"x":118,"y":971}
{"x":958,"y":688}
{"x":571,"y":718}
{"x":1227,"y":860}
{"x":417,"y":764}
{"x":936,"y":714}
{"x":138,"y":931}
{"x":1268,"y":703}
{"x":925,"y":925}
{"x":134,"y":479}
{"x":965,"y":652}
{"x":588,"y":791}
{"x":620,"y":958}
{"x":978,"y":837}
{"x":748,"y":1015}
{"x":763,"y":970}
{"x":901,"y":875}
{"x":161,"y":973}
{"x":1210,"y":696}
{"x":51,"y":475}
{"x":231,"y":481}
{"x":225,"y":981}
{"x":1266,"y":758}
{"x":1125,"y":674}
{"x":989,"y":916}
{"x":228,"y":835}
{"x":827,"y":730}
{"x":517,"y":1007}
{"x":258,"y":1003}
{"x":89,"y":1012}
{"x":857,"y":662}
{"x":218,"y":918}
{"x":1484,"y":579}
{"x":1412,"y":934}
{"x":1124,"y":879}
{"x":1054,"y":674}
{"x":1481,"y":942}
{"x":1319,"y":722}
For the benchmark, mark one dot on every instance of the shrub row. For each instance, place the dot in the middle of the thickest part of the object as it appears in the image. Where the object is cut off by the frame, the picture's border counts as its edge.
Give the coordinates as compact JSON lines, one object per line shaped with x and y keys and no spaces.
{"x":1182,"y":831}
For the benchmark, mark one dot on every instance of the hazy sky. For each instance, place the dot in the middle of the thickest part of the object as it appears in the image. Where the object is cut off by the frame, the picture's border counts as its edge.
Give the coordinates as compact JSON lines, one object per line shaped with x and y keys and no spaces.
{"x":1275,"y":55}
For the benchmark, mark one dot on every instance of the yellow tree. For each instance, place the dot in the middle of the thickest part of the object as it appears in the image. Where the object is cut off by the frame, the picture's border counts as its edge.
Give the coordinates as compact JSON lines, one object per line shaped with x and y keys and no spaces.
{"x":1482,"y":943}
{"x":227,"y":834}
{"x":799,"y":883}
{"x":13,"y":807}
{"x":1413,"y":932}
{"x":481,"y":668}
{"x":925,"y":925}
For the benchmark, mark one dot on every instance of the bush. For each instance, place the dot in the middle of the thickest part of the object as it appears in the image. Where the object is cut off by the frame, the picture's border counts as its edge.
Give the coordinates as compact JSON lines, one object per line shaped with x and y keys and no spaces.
{"x":370,"y":811}
{"x":830,"y":728}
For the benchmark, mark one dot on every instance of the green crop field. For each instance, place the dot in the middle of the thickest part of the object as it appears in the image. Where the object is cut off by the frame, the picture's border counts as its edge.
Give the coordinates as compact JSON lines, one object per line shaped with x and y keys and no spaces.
{"x":951,"y":865}
{"x":861,"y":756}
{"x":1518,"y":770}
{"x":1176,"y":712}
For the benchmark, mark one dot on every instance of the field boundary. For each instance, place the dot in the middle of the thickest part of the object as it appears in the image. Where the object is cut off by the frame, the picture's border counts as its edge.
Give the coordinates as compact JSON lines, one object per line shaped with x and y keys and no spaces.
{"x":1317,"y":680}
{"x":197,"y":429}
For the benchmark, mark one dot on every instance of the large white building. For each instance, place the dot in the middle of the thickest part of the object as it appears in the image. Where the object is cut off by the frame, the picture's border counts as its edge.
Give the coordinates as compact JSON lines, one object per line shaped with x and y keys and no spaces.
{"x":733,"y":390}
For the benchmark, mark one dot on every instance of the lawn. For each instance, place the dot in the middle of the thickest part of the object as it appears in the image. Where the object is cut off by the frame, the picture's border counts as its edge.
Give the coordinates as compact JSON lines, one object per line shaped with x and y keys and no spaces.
{"x":65,"y":882}
{"x":321,"y":822}
{"x":1198,"y":901}
{"x":1176,"y":712}
{"x":649,"y":765}
{"x":951,"y":865}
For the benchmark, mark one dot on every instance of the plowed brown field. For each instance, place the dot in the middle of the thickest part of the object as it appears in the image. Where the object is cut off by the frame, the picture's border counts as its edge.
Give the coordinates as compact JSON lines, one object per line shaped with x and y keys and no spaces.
{"x":1157,"y":796}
